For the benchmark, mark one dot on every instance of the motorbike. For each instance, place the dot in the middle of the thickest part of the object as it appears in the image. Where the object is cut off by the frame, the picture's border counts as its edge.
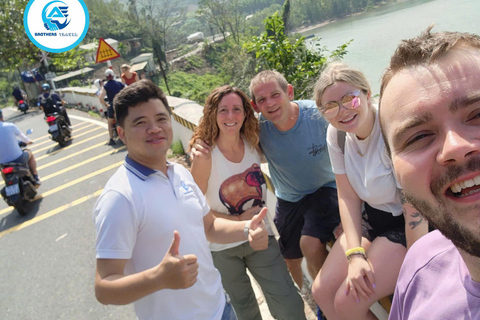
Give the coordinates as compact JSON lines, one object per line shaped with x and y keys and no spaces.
{"x":58,"y":129}
{"x":19,"y":187}
{"x":23,"y":106}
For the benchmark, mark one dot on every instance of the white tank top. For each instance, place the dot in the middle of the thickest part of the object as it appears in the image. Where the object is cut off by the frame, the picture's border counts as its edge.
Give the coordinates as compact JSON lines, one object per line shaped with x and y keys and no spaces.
{"x":235,"y":187}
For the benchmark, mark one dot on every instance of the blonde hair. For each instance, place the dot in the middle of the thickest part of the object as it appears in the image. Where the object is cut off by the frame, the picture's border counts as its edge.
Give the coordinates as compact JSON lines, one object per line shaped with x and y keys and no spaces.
{"x":339,"y":72}
{"x":208,"y":131}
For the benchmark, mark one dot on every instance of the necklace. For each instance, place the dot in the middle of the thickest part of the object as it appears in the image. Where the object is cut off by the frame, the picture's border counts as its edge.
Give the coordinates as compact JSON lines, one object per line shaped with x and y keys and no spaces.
{"x":366,"y":149}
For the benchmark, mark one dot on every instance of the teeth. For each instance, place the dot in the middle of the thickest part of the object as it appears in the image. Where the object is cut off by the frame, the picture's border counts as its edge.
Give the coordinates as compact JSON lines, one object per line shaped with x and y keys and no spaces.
{"x":458,"y":187}
{"x":346,"y":120}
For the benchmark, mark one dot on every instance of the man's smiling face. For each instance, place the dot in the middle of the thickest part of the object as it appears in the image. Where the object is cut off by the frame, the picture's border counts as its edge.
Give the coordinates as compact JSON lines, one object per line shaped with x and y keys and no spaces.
{"x":431,"y":120}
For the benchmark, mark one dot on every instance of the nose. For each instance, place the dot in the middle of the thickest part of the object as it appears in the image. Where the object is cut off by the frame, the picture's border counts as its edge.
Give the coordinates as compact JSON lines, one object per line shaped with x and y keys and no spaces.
{"x":153,"y":127}
{"x":457,"y":147}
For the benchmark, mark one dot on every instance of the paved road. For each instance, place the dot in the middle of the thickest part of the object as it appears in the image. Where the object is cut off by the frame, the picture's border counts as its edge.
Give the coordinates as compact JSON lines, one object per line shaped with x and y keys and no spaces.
{"x":47,"y":258}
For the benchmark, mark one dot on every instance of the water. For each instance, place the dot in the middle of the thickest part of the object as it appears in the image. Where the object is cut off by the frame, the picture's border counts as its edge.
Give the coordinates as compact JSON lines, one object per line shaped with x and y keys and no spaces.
{"x":376,"y":34}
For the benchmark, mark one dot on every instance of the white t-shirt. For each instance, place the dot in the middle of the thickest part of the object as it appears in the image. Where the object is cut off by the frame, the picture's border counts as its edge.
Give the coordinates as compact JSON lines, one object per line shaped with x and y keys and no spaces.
{"x":135,"y":217}
{"x":235,"y":187}
{"x":371,"y":176}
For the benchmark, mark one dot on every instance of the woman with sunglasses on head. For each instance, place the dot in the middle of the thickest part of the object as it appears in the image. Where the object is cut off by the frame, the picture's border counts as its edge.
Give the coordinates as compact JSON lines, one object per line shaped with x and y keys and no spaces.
{"x":364,"y":263}
{"x":233,"y":184}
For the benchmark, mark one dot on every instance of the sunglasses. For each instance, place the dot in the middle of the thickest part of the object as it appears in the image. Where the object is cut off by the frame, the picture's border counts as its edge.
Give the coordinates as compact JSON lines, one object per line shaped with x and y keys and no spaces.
{"x":348,"y":101}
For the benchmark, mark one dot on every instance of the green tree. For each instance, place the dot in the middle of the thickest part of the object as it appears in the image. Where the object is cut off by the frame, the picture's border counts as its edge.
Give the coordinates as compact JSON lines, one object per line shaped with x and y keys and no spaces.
{"x":16,"y":48}
{"x":289,"y":56}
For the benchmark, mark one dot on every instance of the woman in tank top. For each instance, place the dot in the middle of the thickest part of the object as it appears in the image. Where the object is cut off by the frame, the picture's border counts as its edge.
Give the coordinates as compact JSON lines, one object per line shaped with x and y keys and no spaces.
{"x":235,"y":189}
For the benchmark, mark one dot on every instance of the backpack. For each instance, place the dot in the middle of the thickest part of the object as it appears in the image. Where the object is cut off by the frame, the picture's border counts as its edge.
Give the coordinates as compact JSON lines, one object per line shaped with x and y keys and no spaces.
{"x":341,"y":137}
{"x":48,"y":104}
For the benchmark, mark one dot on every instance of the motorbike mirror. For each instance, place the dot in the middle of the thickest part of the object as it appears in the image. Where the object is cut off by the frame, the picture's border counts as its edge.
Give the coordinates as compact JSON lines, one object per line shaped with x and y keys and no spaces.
{"x":29,"y":131}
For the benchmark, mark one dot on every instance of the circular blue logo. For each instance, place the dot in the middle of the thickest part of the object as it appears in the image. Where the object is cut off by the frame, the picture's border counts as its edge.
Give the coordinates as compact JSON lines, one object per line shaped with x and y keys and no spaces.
{"x":56,"y":26}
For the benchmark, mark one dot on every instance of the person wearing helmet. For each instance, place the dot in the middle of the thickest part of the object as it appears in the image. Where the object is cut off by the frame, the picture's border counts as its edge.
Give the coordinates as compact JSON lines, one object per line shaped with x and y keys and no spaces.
{"x":18,"y":94}
{"x":110,"y":89}
{"x":50,"y":102}
{"x":10,"y":135}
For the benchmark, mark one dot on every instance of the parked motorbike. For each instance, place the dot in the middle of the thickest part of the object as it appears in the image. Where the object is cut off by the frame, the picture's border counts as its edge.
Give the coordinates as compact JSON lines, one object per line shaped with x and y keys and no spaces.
{"x":58,"y":129}
{"x":23,"y":106}
{"x":19,"y":187}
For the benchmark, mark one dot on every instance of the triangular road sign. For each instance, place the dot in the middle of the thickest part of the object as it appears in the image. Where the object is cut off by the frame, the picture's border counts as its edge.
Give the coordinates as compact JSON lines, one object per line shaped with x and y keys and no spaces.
{"x":105,"y":52}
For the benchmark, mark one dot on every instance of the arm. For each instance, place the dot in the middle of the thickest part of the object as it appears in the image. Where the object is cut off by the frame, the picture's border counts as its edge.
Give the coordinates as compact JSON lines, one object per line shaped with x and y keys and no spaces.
{"x":20,"y":136}
{"x":112,"y":286}
{"x":245,"y":216}
{"x":201,"y":169}
{"x":122,"y":79}
{"x":220,"y":230}
{"x":415,"y":225}
{"x":136,"y":77}
{"x":359,"y":268}
{"x":103,"y":93}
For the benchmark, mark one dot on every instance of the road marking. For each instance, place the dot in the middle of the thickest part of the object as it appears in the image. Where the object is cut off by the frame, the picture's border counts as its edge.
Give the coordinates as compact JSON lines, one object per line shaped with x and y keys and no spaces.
{"x":35,"y":145}
{"x":48,"y":135}
{"x":76,"y":154}
{"x":51,"y":213}
{"x":108,"y":153}
{"x":71,"y":146}
{"x":73,"y":137}
{"x":69,"y":184}
{"x":71,"y":156}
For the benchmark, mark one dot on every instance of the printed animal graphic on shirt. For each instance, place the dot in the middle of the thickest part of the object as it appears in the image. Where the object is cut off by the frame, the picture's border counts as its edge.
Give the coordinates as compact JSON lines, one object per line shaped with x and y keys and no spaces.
{"x":243,"y":191}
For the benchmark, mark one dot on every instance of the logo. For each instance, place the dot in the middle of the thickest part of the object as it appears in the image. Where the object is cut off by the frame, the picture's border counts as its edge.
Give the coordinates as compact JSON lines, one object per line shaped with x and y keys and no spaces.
{"x":56,"y":26}
{"x":53,"y":13}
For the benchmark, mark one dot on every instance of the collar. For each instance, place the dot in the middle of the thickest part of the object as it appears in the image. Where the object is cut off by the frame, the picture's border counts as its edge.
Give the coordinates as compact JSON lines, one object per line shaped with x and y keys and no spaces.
{"x":138,"y":169}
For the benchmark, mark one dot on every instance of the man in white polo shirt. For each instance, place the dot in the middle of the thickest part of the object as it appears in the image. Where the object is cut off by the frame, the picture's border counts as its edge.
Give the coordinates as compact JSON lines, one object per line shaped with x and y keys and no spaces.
{"x":147,"y":203}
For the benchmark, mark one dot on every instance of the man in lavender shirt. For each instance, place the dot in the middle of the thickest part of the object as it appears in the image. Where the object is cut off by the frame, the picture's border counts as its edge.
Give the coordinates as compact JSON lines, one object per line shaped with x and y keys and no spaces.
{"x":430,"y":118}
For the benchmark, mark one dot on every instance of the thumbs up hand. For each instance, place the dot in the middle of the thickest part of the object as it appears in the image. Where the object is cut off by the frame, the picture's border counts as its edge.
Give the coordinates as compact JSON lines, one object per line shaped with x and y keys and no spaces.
{"x":258,"y":235}
{"x":178,"y":272}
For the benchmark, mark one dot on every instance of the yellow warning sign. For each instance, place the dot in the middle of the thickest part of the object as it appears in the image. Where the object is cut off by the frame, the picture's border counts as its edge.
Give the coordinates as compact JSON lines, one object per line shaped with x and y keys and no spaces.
{"x":105,"y":52}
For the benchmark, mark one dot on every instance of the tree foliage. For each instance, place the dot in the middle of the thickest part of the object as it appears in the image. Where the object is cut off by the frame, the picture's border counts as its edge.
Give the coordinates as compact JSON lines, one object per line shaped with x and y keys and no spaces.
{"x":275,"y":51}
{"x":16,"y":48}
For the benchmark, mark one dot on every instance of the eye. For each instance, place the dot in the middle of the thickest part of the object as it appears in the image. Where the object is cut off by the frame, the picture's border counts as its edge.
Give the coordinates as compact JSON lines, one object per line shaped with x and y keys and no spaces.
{"x":474,"y":116}
{"x":261,"y":100}
{"x":418,"y":140}
{"x":329,"y":106}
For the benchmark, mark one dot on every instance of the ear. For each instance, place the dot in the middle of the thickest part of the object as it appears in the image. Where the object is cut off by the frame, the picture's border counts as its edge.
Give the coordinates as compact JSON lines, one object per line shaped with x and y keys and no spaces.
{"x":121,"y":134}
{"x":254,"y":105}
{"x":290,"y":92}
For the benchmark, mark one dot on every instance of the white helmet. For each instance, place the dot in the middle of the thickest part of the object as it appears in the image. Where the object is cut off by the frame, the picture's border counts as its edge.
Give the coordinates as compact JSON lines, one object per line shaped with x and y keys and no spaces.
{"x":109,"y":73}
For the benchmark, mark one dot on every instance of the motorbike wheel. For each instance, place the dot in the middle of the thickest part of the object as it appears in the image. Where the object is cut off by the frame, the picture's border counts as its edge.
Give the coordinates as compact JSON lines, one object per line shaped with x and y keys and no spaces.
{"x":25,"y":112}
{"x":22,"y":207}
{"x":62,"y":142}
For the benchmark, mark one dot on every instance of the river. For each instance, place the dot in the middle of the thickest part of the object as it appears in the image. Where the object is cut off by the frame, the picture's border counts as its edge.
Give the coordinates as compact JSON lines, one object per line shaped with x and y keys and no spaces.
{"x":377,"y":33}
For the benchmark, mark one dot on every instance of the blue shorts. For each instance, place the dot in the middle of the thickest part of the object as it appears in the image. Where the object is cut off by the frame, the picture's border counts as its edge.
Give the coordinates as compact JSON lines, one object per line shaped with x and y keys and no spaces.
{"x":23,"y":158}
{"x":314,"y":215}
{"x":110,"y":113}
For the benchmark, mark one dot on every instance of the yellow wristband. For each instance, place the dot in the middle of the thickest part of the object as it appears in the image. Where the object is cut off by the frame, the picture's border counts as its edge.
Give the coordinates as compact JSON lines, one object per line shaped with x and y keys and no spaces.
{"x":356,"y":250}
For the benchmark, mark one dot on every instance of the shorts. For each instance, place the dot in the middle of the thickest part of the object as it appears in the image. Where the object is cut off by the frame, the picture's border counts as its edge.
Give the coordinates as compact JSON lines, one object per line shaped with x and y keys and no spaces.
{"x":314,"y":215}
{"x":110,"y":112}
{"x":378,"y":223}
{"x":23,"y":158}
